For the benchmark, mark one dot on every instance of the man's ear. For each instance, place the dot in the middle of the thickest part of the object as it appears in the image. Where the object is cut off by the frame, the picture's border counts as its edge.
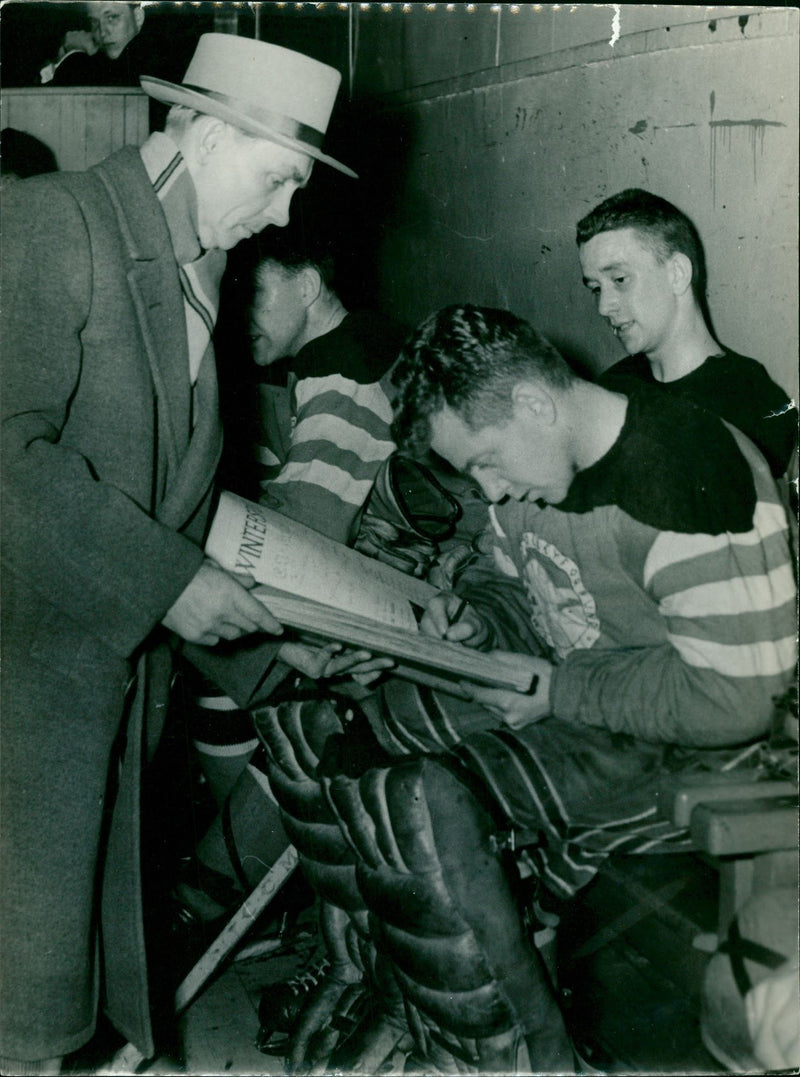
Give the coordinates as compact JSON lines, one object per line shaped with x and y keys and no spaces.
{"x":209,"y":132}
{"x":138,"y":17}
{"x":532,"y":400}
{"x":310,"y":285}
{"x":681,"y":272}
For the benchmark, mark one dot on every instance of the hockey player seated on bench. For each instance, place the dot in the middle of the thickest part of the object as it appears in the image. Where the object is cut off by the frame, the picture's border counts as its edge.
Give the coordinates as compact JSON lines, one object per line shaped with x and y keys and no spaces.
{"x":648,"y":590}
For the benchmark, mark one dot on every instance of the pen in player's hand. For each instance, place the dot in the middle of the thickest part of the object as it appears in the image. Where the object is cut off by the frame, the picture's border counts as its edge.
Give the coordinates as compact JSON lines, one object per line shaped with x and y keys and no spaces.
{"x":534,"y":685}
{"x":454,"y":616}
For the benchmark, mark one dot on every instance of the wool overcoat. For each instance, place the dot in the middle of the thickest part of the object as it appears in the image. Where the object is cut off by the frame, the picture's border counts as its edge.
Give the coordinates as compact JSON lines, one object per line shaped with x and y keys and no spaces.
{"x":105,"y":497}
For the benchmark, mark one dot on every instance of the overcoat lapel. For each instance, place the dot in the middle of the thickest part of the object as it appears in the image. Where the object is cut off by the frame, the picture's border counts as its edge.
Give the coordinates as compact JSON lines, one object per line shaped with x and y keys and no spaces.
{"x":170,"y":373}
{"x":156,"y":293}
{"x":192,"y":455}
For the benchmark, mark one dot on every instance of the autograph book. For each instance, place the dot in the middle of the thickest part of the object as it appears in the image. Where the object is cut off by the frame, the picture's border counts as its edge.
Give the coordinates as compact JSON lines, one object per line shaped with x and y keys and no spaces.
{"x":320,"y":587}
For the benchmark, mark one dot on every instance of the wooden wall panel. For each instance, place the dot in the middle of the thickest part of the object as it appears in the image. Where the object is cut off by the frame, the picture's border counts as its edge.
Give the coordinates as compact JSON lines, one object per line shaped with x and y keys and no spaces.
{"x":82,"y":125}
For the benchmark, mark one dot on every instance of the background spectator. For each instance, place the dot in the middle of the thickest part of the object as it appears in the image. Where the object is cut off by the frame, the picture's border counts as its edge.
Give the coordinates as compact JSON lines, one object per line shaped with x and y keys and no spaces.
{"x":109,"y":54}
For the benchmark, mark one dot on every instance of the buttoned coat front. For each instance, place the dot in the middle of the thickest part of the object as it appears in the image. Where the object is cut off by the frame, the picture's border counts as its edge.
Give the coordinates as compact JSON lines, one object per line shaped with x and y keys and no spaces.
{"x":105,"y":494}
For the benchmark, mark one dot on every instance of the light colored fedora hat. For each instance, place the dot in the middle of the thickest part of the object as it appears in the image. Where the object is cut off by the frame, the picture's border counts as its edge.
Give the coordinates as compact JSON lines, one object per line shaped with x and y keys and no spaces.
{"x":264,"y":89}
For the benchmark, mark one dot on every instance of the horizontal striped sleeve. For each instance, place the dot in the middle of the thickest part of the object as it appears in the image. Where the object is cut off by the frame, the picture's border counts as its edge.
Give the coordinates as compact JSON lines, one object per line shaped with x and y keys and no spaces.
{"x":761,"y":591}
{"x":759,"y":658}
{"x":727,"y":604}
{"x":729,"y":599}
{"x":370,"y":396}
{"x":344,"y":435}
{"x":327,"y":477}
{"x":674,"y":548}
{"x":340,"y":438}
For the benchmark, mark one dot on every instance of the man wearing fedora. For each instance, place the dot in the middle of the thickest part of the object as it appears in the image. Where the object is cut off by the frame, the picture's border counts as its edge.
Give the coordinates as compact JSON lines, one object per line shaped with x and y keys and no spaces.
{"x":110,"y":443}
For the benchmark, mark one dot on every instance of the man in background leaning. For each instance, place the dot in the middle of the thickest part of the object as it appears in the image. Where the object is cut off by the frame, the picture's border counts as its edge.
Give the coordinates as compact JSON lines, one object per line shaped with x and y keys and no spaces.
{"x":643,"y":260}
{"x":111,"y":439}
{"x":107,"y":54}
{"x":339,"y":390}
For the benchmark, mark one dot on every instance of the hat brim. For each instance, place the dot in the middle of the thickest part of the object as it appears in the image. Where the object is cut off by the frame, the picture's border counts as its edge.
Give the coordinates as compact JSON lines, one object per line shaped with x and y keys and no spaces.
{"x":172,"y":93}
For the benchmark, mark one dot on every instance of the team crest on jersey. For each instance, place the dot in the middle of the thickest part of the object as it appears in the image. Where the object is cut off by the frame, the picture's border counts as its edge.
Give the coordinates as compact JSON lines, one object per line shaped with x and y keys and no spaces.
{"x":563,"y":612}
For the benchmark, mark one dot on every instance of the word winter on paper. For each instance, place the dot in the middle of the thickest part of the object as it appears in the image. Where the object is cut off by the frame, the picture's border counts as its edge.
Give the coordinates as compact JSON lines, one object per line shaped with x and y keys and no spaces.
{"x":252,"y":544}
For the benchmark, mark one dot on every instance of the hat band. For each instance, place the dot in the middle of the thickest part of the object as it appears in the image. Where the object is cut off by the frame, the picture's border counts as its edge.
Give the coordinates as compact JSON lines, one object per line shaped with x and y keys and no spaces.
{"x":282,"y":125}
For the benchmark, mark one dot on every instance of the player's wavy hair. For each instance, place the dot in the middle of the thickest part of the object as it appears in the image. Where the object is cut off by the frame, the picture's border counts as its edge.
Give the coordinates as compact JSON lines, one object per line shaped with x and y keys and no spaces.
{"x":468,"y":358}
{"x":662,"y":227}
{"x":287,"y":254}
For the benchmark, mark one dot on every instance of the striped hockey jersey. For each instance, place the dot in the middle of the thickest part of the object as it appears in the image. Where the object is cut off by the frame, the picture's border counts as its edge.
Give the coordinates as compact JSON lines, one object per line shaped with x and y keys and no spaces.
{"x":341,"y":415}
{"x":663,"y":585}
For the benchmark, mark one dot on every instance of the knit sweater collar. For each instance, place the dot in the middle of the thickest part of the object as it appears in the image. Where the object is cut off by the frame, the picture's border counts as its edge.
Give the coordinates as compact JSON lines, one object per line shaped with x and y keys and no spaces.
{"x":173,"y":185}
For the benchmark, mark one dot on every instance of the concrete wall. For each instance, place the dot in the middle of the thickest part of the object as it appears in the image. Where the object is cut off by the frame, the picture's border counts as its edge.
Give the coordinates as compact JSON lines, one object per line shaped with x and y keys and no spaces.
{"x":511,"y":125}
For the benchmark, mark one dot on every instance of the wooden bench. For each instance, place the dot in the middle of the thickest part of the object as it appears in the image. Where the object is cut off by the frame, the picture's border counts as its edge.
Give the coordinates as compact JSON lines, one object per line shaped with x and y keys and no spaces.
{"x":746,"y":828}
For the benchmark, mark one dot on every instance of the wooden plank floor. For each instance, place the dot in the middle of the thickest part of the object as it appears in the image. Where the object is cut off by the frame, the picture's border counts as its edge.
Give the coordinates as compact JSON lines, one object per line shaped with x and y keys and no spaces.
{"x":218,"y":1032}
{"x":629,"y":978}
